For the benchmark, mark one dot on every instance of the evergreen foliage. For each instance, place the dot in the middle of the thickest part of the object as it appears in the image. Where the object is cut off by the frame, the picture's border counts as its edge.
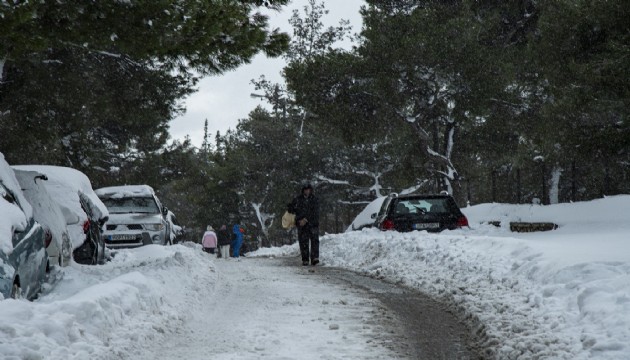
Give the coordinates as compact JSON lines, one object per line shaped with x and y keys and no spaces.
{"x":500,"y":101}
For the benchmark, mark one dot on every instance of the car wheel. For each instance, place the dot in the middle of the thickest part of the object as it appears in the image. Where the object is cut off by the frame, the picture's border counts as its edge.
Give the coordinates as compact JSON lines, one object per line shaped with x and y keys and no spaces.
{"x":16,"y":291}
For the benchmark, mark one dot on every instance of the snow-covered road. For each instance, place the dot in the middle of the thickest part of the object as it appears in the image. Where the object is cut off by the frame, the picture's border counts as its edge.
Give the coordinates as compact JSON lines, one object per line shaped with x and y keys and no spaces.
{"x":259,"y":309}
{"x":180,"y":303}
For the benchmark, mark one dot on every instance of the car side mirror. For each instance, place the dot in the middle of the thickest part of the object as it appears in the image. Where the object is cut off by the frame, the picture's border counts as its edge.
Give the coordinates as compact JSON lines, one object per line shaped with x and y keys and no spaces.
{"x":165,"y":211}
{"x":373,"y":216}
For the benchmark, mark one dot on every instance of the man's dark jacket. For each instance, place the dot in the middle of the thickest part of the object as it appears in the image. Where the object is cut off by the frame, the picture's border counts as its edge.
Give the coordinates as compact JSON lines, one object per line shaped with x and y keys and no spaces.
{"x":306,"y":207}
{"x":224,"y":237}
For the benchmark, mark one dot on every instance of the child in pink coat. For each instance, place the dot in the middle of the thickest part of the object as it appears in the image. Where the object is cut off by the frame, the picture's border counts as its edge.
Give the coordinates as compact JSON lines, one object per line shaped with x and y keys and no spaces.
{"x":209,"y":240}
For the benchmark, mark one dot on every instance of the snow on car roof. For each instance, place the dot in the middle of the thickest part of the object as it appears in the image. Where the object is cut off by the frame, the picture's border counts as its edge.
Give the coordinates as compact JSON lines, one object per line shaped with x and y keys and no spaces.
{"x":12,"y":216}
{"x":64,"y":184}
{"x":117,"y":192}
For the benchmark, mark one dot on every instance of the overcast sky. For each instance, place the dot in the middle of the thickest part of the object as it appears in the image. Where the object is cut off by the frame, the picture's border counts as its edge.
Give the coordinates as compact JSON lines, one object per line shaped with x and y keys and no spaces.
{"x":225,"y":99}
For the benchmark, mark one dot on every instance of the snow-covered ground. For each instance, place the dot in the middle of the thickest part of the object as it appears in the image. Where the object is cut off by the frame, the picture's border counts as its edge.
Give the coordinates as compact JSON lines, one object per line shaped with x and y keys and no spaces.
{"x":177,"y":302}
{"x":563,"y":294}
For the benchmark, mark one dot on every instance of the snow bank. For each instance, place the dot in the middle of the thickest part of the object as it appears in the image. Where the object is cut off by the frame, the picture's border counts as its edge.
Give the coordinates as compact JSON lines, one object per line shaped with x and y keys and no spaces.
{"x":286,"y":250}
{"x":610,"y":211}
{"x":104,"y":312}
{"x":562,"y":294}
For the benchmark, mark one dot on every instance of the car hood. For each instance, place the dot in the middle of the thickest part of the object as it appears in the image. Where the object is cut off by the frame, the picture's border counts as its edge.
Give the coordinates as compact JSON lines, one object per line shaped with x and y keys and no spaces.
{"x":116,"y":219}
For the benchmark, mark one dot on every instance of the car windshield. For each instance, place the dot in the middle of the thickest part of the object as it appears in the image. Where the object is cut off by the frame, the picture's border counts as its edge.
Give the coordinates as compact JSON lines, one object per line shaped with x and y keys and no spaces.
{"x":421,"y":206}
{"x":144,"y":205}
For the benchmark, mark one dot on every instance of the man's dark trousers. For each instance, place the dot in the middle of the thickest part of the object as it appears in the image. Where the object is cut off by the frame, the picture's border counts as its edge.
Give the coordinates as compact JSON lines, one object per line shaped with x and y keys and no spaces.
{"x":305,"y":234}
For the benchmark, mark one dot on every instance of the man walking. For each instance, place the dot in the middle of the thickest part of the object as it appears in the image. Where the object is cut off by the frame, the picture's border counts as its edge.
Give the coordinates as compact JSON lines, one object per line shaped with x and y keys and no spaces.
{"x":306,"y":208}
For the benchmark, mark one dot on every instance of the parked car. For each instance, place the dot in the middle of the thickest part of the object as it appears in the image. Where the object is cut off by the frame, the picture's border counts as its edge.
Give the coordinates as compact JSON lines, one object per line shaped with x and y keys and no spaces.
{"x":72,"y":189}
{"x":49,"y":214}
{"x":136,"y":217}
{"x":23,"y":259}
{"x":364,"y":219}
{"x":432,"y":213}
{"x":177,"y":231}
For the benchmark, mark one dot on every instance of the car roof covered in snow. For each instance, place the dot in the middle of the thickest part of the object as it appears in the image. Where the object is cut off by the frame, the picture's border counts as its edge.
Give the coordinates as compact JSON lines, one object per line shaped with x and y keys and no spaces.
{"x":64,"y":185}
{"x":118,"y":192}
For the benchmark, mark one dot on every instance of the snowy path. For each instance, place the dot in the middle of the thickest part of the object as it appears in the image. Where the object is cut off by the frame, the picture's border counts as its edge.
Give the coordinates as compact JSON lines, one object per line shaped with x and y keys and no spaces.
{"x":259,"y":309}
{"x":177,"y":302}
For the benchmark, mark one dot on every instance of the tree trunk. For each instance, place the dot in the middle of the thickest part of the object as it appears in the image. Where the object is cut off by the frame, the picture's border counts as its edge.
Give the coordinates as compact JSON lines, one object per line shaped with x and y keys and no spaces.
{"x":554,"y":186}
{"x":493,"y":181}
{"x":262,"y":220}
{"x":606,"y":184}
{"x":518,"y":186}
{"x":543,"y":171}
{"x":573,"y":182}
{"x":468,"y":191}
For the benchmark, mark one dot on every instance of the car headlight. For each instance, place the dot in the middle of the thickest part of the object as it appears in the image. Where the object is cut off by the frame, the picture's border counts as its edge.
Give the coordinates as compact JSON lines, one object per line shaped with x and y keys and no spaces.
{"x":154,"y":227}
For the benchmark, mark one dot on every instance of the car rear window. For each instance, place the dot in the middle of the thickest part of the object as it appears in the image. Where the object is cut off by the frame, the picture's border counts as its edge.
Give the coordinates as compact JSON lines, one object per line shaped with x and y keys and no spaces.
{"x":143,"y":205}
{"x":421,"y":206}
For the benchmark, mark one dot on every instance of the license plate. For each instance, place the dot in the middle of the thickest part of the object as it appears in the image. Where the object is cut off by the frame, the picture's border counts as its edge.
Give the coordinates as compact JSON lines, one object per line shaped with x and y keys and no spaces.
{"x":424,"y":226}
{"x":123,"y":237}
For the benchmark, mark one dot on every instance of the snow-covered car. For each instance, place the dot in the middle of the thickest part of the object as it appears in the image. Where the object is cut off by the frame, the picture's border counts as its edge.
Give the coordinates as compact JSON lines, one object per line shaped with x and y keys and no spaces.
{"x":137,"y":217}
{"x":365,"y":219}
{"x":432,"y":213}
{"x":72,"y":189}
{"x":49,"y":214}
{"x":177,"y":231}
{"x":23,"y":258}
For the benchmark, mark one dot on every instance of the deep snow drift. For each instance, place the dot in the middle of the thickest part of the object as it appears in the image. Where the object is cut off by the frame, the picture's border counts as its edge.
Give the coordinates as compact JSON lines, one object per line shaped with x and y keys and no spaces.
{"x":563,"y":294}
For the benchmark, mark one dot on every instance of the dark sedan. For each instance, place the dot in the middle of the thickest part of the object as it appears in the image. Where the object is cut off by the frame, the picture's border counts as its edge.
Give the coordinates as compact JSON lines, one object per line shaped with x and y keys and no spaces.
{"x":433,"y":213}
